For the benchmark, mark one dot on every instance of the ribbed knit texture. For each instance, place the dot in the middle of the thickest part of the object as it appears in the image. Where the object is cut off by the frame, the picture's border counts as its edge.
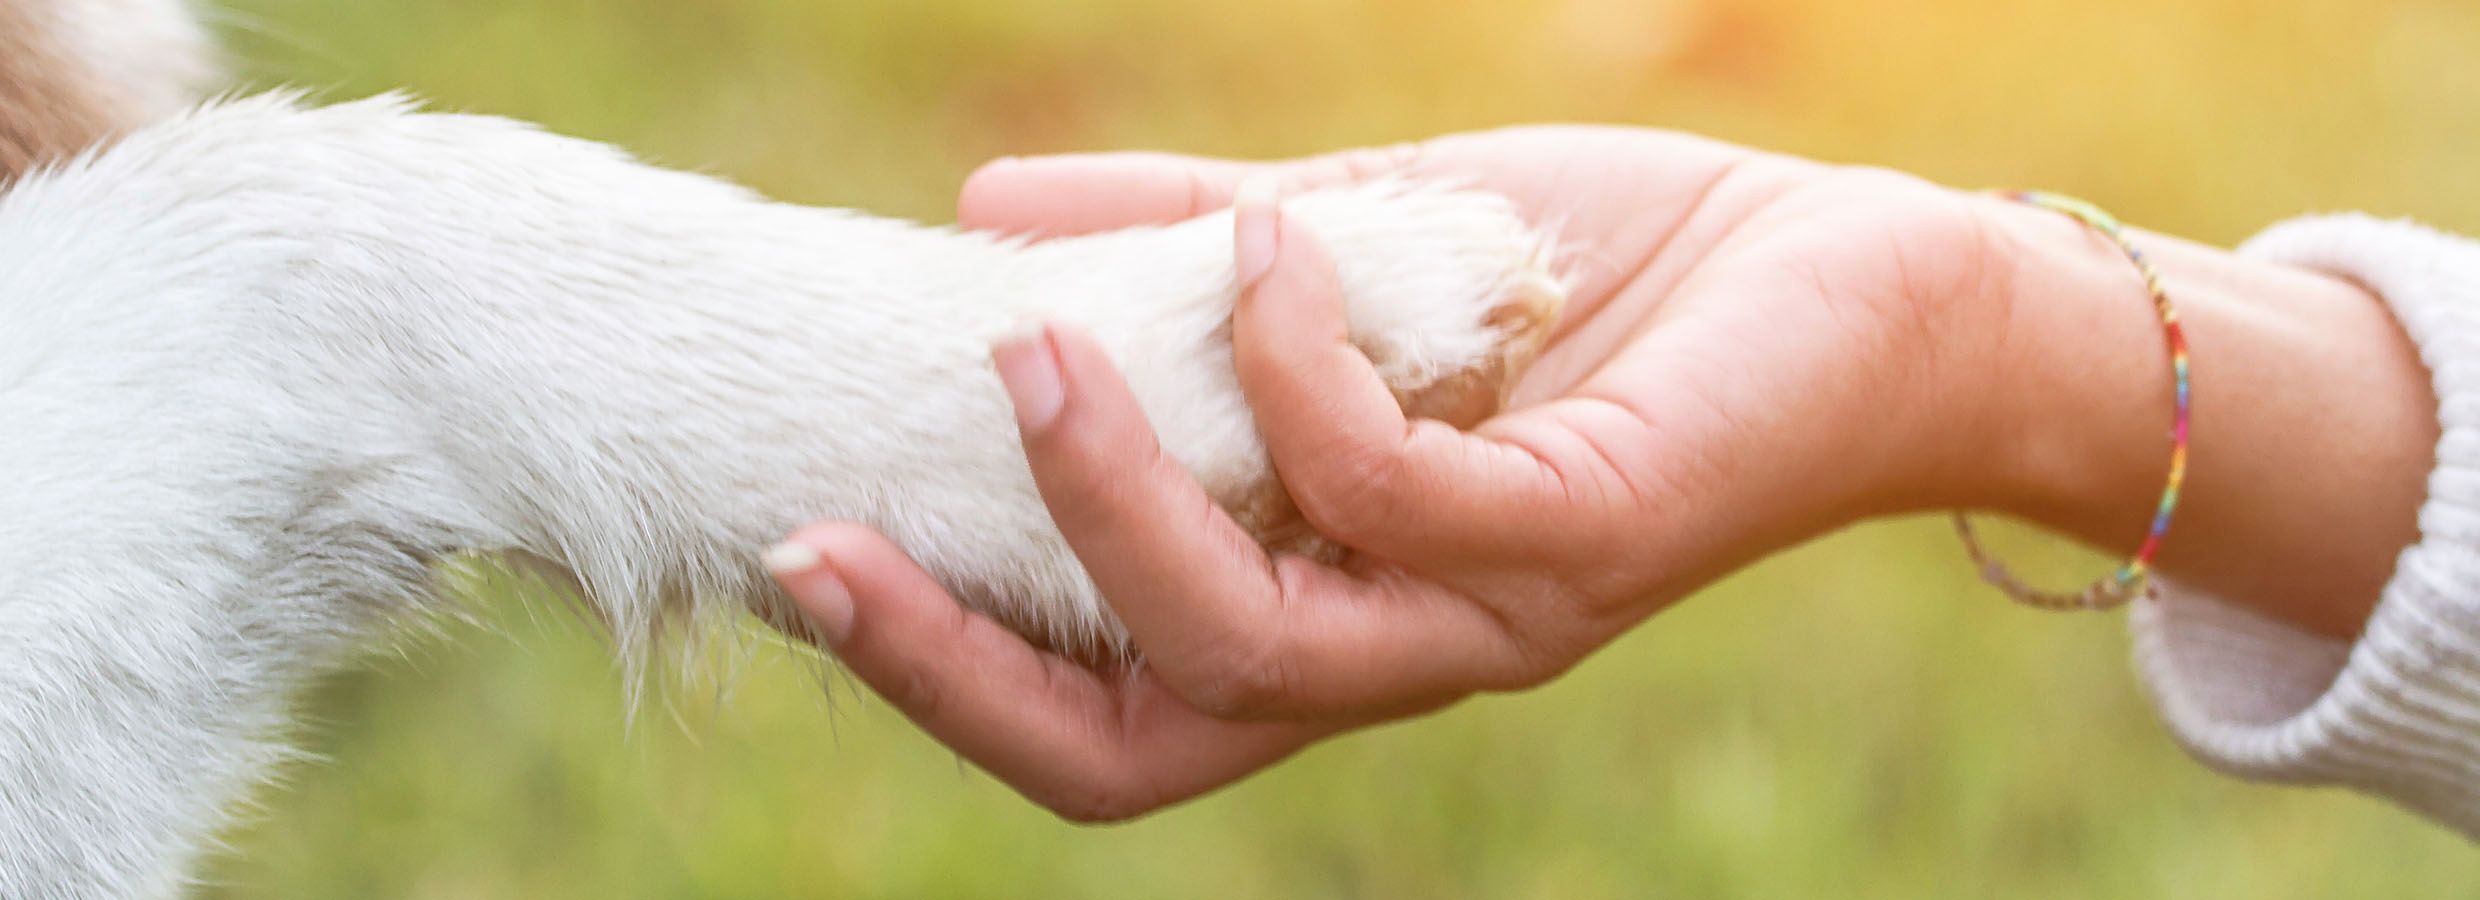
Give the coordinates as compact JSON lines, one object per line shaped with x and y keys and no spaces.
{"x":2397,"y":713}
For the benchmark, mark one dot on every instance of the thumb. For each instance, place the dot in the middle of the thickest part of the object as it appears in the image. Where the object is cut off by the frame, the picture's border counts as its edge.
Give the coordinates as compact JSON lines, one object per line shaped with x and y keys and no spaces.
{"x":1360,"y":470}
{"x":1082,"y":193}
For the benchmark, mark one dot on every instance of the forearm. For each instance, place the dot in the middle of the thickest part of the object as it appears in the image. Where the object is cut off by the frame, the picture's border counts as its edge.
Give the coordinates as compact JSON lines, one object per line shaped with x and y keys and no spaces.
{"x":2314,"y":430}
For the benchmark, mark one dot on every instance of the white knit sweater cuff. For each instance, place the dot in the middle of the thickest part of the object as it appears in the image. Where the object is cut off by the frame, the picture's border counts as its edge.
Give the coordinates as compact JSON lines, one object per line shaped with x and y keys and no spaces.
{"x":2397,"y":713}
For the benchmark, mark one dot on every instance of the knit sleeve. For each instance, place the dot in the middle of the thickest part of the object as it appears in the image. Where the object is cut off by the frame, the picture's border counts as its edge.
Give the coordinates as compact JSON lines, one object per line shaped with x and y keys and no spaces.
{"x":2396,"y":713}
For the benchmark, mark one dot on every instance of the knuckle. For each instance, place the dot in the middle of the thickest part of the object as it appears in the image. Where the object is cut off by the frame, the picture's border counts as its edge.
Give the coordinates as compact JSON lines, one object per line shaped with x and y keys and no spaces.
{"x":1082,"y":477}
{"x":1100,"y":794}
{"x":1237,"y":695}
{"x":919,"y":695}
{"x":1531,"y":670}
{"x":1103,"y":807}
{"x":1248,"y":682}
{"x":1353,"y":498}
{"x":1085,"y":479}
{"x":1541,"y":652}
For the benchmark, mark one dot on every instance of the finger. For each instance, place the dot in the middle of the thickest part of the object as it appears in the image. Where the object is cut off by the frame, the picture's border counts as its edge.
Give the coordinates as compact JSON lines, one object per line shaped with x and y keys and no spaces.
{"x":1234,"y":632}
{"x":1360,"y":471}
{"x":1087,"y":747}
{"x":1053,"y":196}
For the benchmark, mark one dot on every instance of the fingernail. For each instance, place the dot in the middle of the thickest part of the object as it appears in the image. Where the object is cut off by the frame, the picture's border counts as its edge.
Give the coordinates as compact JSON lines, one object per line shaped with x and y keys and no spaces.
{"x":815,"y":588}
{"x":790,"y":558}
{"x":1029,"y":367}
{"x":1257,"y":229}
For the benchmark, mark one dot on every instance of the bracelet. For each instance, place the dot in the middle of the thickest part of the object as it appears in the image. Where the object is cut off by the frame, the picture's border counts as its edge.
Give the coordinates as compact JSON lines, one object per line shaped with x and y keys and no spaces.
{"x":2132,"y":578}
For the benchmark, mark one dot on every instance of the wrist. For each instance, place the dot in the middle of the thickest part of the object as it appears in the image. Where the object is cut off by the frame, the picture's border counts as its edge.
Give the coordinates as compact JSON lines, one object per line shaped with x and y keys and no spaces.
{"x":2081,"y":385}
{"x":2314,"y":427}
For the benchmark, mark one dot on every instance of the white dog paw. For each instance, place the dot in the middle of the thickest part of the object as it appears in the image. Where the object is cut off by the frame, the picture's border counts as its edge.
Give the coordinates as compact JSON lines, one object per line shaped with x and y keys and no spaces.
{"x":1449,"y":293}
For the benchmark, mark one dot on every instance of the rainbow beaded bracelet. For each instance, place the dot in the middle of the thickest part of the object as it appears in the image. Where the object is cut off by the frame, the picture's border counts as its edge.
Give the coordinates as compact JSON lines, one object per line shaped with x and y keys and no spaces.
{"x":2132,"y":578}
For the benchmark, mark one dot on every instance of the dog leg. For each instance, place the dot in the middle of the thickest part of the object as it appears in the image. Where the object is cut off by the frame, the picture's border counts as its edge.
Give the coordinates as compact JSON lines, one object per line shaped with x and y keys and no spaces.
{"x":261,"y":365}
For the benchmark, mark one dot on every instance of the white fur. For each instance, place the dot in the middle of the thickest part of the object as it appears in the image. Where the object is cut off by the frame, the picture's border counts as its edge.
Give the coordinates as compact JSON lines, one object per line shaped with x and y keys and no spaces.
{"x":151,"y":56}
{"x":260,"y":367}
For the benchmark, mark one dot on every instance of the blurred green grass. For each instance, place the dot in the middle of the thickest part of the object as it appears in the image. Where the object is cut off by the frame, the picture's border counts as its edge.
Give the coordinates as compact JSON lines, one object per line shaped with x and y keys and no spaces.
{"x":1855,"y":719}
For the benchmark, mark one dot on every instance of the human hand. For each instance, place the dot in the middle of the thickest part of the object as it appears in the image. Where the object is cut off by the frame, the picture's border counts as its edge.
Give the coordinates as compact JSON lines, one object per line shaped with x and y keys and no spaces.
{"x":1756,"y":349}
{"x":1646,"y":452}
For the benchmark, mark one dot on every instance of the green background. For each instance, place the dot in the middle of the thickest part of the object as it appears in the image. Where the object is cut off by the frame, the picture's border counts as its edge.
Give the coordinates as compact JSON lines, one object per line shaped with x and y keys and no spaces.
{"x":1855,"y":719}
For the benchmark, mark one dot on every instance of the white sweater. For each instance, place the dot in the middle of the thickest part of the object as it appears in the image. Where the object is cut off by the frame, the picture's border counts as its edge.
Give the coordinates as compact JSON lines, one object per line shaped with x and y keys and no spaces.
{"x":2396,"y":714}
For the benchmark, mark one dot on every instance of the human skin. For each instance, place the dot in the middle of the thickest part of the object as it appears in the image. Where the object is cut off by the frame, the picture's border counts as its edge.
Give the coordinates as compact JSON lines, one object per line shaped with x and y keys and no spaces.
{"x":1759,"y":349}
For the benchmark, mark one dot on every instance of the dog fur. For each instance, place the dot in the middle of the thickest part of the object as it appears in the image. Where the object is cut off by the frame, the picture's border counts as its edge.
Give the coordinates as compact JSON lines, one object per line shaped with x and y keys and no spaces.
{"x":263,"y":366}
{"x":73,"y":73}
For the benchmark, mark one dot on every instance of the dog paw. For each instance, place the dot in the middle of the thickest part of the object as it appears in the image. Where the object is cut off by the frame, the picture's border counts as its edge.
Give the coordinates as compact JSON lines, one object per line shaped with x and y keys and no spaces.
{"x":1449,"y":293}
